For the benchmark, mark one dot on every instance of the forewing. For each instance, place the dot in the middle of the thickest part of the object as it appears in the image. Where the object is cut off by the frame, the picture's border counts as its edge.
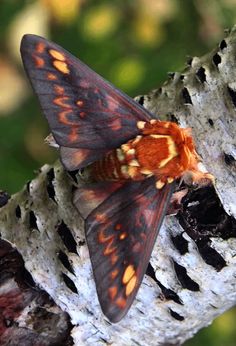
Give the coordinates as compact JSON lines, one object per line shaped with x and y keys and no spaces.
{"x":120,"y":235}
{"x":83,"y":110}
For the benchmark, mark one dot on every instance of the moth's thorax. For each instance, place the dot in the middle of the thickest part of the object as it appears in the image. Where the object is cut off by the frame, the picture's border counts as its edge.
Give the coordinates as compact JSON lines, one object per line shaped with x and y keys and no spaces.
{"x":162,"y":149}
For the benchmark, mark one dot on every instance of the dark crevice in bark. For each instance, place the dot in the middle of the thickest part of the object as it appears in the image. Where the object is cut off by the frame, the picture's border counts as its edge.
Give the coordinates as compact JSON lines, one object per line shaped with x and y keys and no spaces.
{"x":210,"y":255}
{"x":211,"y":122}
{"x":190,"y":60}
{"x":167,"y":293}
{"x":171,"y":75}
{"x":18,"y":212}
{"x":67,"y":237}
{"x":185,"y":279}
{"x":229,"y":159}
{"x":177,"y":316}
{"x":141,"y":100}
{"x":216,"y":59}
{"x":69,"y":283}
{"x":50,"y":186}
{"x":73,"y":175}
{"x":186,"y":96}
{"x":201,"y":75}
{"x":232,"y":95}
{"x":223,"y":44}
{"x":65,"y":261}
{"x":203,"y":217}
{"x":180,"y":243}
{"x":33,"y":221}
{"x":28,"y":186}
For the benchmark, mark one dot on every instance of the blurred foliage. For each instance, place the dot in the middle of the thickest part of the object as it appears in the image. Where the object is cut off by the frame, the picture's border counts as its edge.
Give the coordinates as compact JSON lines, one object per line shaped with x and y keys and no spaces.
{"x":133,"y":44}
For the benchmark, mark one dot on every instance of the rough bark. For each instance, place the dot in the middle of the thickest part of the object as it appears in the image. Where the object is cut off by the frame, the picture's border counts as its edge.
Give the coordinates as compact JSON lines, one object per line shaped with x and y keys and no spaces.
{"x":191,"y":278}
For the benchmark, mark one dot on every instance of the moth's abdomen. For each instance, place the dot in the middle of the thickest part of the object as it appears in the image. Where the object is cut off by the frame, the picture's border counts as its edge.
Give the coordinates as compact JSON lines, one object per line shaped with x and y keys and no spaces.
{"x":108,"y":168}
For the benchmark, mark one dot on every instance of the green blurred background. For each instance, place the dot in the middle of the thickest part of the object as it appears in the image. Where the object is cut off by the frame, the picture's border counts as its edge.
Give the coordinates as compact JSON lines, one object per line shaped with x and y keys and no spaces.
{"x":133,"y":44}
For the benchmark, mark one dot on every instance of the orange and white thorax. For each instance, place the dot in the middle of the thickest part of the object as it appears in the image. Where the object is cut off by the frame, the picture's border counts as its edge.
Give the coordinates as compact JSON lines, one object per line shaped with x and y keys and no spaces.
{"x":162,"y":149}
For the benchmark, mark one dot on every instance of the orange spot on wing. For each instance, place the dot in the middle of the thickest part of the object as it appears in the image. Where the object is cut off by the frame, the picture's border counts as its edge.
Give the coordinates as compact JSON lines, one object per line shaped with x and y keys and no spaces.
{"x":118,"y":226}
{"x":51,"y":76}
{"x":123,"y":235}
{"x":57,"y":55}
{"x":60,"y":101}
{"x":63,"y":118}
{"x":131,"y":285}
{"x":61,"y":66}
{"x":82,"y":114}
{"x":116,"y":125}
{"x":73,"y":136}
{"x":110,"y":248}
{"x":114,"y":258}
{"x":102,"y":238}
{"x":59,"y":89}
{"x":77,"y":157}
{"x":40,"y":47}
{"x":80,"y":103}
{"x":114,"y":274}
{"x":101,"y":218}
{"x":121,"y":302}
{"x":112,"y":291}
{"x":128,"y":274}
{"x":39,"y":62}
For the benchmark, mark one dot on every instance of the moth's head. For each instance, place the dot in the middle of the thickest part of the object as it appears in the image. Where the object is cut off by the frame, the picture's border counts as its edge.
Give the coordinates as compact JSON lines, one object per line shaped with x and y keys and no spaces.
{"x":186,"y":148}
{"x":193,"y":171}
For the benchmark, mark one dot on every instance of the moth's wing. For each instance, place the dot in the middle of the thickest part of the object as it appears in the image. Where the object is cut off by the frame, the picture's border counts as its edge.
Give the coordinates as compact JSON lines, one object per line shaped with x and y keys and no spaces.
{"x":83,"y":110}
{"x":120,"y":235}
{"x":74,"y":158}
{"x":89,"y":196}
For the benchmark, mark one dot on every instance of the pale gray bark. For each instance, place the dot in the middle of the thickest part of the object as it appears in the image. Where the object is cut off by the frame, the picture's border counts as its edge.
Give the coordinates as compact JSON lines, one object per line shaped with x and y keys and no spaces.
{"x":192,"y":276}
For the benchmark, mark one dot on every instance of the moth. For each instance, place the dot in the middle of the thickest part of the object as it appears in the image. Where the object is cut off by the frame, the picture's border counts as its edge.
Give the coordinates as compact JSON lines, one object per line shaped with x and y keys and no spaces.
{"x":132,"y":158}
